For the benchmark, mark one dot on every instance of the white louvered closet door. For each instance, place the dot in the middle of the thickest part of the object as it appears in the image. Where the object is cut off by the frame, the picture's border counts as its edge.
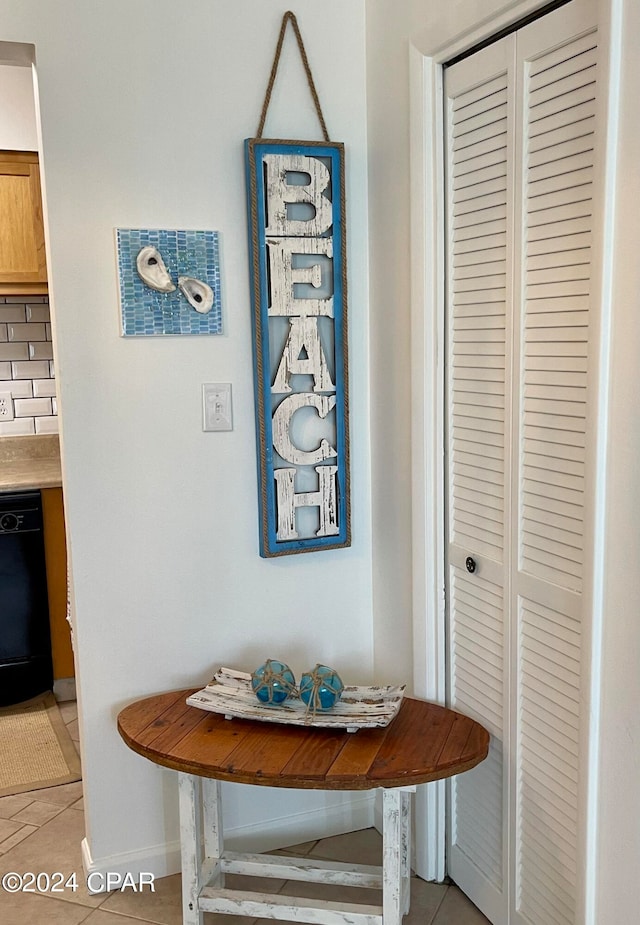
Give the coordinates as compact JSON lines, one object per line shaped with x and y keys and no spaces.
{"x":521,"y":140}
{"x":480,"y":93}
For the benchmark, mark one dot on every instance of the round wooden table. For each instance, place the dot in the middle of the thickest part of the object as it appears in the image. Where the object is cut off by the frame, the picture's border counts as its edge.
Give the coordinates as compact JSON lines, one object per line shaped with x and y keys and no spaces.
{"x":424,"y":742}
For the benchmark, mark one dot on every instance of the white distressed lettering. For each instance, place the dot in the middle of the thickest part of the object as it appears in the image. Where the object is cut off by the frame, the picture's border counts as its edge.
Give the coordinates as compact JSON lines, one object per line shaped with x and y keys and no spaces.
{"x":326,"y":499}
{"x":282,"y":424}
{"x":281,"y":193}
{"x":303,"y":338}
{"x":284,"y":275}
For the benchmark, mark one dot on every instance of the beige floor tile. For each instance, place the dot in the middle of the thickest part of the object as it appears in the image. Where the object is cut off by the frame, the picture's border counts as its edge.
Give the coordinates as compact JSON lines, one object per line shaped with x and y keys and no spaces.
{"x":55,"y":846}
{"x":164,"y":906}
{"x":456,"y":909}
{"x":79,"y":805}
{"x":33,"y":909}
{"x":9,"y":806}
{"x":426,"y":899}
{"x":100,"y":917}
{"x":9,"y":827}
{"x":332,"y":893}
{"x":365,"y":847}
{"x":362,"y":847}
{"x":68,"y":711}
{"x":17,"y":837}
{"x":64,"y":794}
{"x":298,"y":850}
{"x":72,"y":729}
{"x":257,"y":884}
{"x":211,"y":918}
{"x":38,"y":813}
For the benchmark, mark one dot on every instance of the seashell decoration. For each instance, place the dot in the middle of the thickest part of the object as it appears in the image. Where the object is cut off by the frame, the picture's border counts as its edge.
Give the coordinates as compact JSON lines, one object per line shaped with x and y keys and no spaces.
{"x":198,"y":294}
{"x":152,"y":270}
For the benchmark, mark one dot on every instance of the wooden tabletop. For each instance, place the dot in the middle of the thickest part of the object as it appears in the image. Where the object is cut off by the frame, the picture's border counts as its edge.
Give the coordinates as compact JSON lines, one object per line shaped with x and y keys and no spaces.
{"x":424,"y":742}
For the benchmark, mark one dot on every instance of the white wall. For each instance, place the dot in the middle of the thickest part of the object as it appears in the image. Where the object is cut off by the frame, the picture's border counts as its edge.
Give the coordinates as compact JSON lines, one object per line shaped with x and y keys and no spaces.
{"x":428,"y":26}
{"x":18,"y":130}
{"x":144,"y":109}
{"x":388,"y":125}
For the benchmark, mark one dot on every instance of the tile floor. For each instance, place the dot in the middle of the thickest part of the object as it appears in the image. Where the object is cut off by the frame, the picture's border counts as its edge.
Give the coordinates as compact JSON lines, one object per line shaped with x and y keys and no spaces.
{"x":42,"y":831}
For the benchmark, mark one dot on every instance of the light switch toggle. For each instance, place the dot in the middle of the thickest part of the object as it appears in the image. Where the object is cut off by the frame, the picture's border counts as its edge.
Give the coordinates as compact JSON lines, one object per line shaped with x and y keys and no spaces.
{"x":216,"y":406}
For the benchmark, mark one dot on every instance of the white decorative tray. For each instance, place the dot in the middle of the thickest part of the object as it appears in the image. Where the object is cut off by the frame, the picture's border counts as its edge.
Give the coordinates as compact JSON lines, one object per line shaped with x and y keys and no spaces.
{"x":230,"y":693}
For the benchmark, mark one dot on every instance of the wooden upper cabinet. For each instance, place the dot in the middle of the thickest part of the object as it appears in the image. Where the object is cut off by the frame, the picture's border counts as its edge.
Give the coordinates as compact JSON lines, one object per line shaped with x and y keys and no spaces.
{"x":23,"y":268}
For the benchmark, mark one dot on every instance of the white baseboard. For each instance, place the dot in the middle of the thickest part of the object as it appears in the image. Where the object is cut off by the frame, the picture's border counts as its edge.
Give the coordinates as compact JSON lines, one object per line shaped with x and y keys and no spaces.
{"x":64,"y":689}
{"x":164,"y":860}
{"x":159,"y":860}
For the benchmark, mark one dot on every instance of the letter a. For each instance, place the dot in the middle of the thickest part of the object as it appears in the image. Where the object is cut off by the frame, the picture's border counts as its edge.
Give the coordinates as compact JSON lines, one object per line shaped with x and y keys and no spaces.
{"x":303,"y":336}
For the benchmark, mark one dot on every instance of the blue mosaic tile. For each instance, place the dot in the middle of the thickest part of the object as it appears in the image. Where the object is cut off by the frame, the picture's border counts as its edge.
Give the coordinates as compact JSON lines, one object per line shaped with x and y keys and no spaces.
{"x":146,"y":312}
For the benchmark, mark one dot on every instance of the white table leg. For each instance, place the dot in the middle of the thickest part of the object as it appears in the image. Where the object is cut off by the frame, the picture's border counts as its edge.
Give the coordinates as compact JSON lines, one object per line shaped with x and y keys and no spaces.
{"x":396,"y":860}
{"x":391,"y":857}
{"x":190,"y":846}
{"x":213,"y":831}
{"x":405,"y":855}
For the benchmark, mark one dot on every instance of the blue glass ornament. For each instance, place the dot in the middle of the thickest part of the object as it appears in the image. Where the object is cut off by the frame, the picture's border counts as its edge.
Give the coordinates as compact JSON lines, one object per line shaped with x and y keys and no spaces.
{"x":321,"y":688}
{"x":273,"y":682}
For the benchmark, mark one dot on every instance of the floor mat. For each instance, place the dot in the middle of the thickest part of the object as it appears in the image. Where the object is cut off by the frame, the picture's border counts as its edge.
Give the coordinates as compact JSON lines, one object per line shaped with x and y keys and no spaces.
{"x":36,"y":749}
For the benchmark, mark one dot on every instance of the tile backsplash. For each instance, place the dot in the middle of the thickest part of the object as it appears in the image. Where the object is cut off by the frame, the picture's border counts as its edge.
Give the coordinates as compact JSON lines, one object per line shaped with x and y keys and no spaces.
{"x":26,"y":366}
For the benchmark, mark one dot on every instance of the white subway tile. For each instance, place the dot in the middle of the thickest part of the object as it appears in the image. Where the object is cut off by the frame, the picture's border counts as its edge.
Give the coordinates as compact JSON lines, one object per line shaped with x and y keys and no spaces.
{"x":24,"y":407}
{"x":44,"y":388}
{"x":41,"y":351}
{"x":20,"y":388}
{"x":52,"y":369}
{"x":21,"y":298}
{"x":47,"y":331}
{"x":14,"y":351}
{"x":5,"y":370}
{"x":18,"y":428}
{"x":54,"y":405}
{"x":47,"y":425}
{"x":12,"y":313}
{"x":37,"y":312}
{"x":3,"y":333}
{"x":27,"y":332}
{"x":31,"y":369}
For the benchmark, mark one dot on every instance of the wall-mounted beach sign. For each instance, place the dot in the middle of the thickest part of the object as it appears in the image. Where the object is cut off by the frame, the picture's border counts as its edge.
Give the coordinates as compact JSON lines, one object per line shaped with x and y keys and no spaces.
{"x":298,"y":257}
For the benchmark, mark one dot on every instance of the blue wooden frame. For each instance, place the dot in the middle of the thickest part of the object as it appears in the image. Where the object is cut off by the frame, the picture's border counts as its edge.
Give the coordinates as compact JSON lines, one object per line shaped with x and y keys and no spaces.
{"x":333,"y":156}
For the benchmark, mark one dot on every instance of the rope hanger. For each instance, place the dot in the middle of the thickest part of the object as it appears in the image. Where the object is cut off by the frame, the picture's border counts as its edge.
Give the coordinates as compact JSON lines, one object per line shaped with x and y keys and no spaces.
{"x":289,"y":17}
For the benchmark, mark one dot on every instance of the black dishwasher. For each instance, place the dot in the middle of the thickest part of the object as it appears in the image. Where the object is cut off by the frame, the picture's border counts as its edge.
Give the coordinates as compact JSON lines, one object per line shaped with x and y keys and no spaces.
{"x":25,"y":644}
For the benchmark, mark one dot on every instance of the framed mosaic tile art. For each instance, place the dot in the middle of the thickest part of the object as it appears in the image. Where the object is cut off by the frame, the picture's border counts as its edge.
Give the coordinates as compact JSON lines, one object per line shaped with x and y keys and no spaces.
{"x":169,"y":282}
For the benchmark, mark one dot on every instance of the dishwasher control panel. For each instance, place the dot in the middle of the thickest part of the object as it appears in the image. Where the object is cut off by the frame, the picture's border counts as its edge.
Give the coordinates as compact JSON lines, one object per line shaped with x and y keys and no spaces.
{"x":20,"y":513}
{"x":10,"y":522}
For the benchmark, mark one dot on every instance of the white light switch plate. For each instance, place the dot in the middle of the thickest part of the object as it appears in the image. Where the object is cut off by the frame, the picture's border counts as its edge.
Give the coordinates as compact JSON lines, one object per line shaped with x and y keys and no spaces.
{"x":6,"y":406}
{"x":216,"y":406}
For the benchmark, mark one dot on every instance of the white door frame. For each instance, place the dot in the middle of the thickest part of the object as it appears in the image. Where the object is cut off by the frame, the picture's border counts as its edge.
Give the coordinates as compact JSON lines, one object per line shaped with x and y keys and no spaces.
{"x":427,"y":391}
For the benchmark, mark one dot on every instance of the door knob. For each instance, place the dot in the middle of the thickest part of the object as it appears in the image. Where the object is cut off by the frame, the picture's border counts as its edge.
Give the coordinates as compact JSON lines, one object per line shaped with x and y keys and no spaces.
{"x":470,"y":563}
